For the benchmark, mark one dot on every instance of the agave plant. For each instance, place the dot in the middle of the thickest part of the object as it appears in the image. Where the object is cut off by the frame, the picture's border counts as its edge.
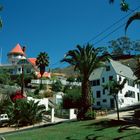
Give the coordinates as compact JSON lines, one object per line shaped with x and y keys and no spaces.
{"x":24,"y":112}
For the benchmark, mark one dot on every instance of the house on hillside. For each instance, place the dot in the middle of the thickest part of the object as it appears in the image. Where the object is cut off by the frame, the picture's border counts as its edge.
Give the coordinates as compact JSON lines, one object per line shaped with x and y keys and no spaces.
{"x":16,"y":58}
{"x":117,"y":71}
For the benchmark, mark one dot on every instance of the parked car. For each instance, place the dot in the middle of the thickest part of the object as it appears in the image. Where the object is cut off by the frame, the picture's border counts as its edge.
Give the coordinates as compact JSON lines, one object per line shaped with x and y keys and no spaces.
{"x":3,"y":119}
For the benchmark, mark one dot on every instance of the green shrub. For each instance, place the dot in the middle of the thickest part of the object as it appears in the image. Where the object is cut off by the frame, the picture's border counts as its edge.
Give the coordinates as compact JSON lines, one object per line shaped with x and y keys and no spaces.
{"x":57,"y":86}
{"x":23,"y":112}
{"x":72,"y":98}
{"x":90,"y":114}
{"x":47,"y":94}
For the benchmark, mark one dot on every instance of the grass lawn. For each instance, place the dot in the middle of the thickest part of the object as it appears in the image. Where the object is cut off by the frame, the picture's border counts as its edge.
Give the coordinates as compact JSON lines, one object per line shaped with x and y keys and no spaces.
{"x":78,"y":130}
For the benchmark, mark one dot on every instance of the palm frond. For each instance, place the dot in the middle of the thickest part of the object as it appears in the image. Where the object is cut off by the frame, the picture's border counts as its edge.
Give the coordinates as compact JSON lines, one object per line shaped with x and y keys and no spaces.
{"x":111,"y":1}
{"x":0,"y":23}
{"x":136,"y":16}
{"x":1,"y":7}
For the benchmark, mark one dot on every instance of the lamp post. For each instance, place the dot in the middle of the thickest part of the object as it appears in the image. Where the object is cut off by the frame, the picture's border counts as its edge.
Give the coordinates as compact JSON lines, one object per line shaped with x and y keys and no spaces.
{"x":22,"y":62}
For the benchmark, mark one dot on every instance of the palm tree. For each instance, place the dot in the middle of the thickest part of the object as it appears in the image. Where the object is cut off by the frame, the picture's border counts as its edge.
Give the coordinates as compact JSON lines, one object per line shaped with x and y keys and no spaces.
{"x":85,"y":60}
{"x":135,"y":16}
{"x":114,"y":87}
{"x":123,"y":5}
{"x":42,"y":62}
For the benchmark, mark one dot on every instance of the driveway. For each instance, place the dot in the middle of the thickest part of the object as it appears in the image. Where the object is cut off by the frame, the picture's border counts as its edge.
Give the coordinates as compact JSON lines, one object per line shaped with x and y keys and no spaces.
{"x":123,"y":115}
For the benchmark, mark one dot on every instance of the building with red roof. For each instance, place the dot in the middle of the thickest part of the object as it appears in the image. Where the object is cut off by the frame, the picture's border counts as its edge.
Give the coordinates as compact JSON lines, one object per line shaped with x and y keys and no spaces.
{"x":17,"y":57}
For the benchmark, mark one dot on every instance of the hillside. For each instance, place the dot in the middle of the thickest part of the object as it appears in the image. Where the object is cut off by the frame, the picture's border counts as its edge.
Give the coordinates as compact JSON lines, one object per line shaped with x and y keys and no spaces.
{"x":128,"y":60}
{"x":68,"y":71}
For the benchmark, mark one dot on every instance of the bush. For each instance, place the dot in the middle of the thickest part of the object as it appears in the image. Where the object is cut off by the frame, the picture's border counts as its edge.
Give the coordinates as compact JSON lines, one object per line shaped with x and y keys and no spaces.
{"x":57,"y":86}
{"x":24,"y":112}
{"x":47,"y":94}
{"x":72,"y":98}
{"x":90,"y":114}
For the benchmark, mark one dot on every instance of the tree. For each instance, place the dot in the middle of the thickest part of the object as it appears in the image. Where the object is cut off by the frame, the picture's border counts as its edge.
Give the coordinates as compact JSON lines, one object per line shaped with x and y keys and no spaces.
{"x":85,"y":60}
{"x":57,"y":86}
{"x":124,"y":6}
{"x":121,"y":46}
{"x":4,"y":76}
{"x":137,"y":70}
{"x":42,"y":62}
{"x":72,"y":98}
{"x":114,"y":87}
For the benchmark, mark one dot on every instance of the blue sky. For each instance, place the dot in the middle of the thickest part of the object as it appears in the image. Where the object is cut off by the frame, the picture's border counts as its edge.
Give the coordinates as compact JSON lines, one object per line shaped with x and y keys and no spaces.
{"x":56,"y":26}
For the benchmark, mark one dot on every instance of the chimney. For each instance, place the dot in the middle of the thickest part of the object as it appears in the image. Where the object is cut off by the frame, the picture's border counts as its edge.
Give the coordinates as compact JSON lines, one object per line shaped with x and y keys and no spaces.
{"x":24,"y":49}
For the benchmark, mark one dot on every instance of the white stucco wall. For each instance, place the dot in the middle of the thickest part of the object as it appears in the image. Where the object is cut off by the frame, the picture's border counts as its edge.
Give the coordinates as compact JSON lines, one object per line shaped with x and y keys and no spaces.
{"x":43,"y":101}
{"x":122,"y":100}
{"x":127,"y":101}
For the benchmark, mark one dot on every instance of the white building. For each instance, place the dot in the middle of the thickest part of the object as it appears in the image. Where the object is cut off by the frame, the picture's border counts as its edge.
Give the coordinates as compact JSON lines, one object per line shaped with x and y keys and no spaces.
{"x":117,"y":71}
{"x":17,"y":57}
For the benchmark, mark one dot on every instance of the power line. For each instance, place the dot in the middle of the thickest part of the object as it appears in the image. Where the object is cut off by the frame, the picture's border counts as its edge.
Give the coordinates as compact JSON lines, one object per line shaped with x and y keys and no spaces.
{"x":109,"y":27}
{"x":110,"y":33}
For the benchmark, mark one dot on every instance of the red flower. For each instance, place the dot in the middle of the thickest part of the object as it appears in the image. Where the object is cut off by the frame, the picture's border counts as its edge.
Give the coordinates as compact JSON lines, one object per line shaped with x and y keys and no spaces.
{"x":18,"y":95}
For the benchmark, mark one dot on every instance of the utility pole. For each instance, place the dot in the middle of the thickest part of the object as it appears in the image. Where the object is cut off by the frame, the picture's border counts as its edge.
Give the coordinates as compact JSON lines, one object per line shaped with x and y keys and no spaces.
{"x":22,"y":80}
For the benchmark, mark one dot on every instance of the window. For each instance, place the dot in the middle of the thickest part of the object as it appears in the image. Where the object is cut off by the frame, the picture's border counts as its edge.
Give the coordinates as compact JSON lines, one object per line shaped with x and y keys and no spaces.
{"x":95,"y":82}
{"x":98,"y":82}
{"x":104,"y":100}
{"x":110,"y":78}
{"x":98,"y":94}
{"x":28,"y":70}
{"x":107,"y":68}
{"x":98,"y":103}
{"x":131,"y":83}
{"x":103,"y":91}
{"x":120,"y":79}
{"x":130,"y":94}
{"x":103,"y":80}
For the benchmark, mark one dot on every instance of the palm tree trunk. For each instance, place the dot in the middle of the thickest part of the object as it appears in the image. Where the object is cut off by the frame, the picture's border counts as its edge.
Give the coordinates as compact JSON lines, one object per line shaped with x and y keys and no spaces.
{"x":116,"y":101}
{"x":86,"y":98}
{"x":41,"y":83}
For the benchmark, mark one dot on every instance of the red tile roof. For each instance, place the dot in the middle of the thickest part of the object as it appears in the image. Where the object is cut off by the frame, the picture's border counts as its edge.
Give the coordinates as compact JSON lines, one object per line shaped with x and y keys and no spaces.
{"x":46,"y":75}
{"x":17,"y":49}
{"x":32,"y":61}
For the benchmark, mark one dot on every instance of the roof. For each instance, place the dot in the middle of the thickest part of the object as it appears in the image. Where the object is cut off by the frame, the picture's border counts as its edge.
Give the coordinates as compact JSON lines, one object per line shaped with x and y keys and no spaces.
{"x":32,"y":61}
{"x":122,"y":69}
{"x":46,"y":75}
{"x":17,"y":50}
{"x":119,"y":68}
{"x":96,"y":74}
